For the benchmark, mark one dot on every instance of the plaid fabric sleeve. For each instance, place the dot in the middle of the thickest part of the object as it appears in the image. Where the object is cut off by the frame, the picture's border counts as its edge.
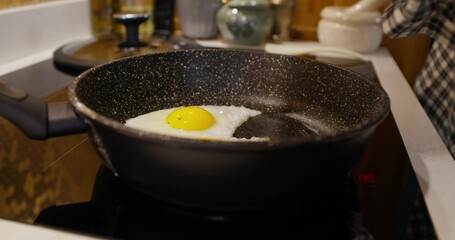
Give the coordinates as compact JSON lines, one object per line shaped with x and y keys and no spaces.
{"x":435,"y":86}
{"x":410,"y":17}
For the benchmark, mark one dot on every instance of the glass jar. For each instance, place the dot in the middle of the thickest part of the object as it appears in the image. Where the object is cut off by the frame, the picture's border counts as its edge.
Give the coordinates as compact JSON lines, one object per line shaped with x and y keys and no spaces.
{"x":245,"y":22}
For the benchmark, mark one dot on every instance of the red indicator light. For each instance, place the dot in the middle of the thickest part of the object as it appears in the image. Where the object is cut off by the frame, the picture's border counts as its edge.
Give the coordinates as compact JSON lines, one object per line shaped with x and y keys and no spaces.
{"x":367,"y":178}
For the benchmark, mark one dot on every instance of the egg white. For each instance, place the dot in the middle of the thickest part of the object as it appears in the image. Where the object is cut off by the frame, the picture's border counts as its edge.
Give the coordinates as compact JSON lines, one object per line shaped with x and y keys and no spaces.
{"x":228,"y":119}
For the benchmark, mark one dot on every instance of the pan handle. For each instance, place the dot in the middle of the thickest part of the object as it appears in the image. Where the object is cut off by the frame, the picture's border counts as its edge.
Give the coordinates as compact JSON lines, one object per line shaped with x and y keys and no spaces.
{"x":36,"y":118}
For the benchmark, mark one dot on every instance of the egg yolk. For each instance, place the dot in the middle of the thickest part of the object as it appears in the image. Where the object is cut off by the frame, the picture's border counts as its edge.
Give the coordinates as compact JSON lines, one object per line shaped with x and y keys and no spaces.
{"x":190,"y":119}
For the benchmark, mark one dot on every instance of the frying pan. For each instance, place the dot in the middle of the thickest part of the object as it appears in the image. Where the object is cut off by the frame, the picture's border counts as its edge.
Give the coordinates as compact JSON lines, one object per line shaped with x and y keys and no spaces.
{"x":319,"y":118}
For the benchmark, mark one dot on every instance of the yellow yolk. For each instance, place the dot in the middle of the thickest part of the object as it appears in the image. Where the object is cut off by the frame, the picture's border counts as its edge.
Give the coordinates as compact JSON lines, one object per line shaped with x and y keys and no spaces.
{"x":190,"y":119}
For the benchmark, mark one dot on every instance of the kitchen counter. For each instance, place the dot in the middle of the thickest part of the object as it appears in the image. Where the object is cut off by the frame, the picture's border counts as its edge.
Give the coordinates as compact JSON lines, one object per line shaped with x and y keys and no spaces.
{"x":433,"y":165}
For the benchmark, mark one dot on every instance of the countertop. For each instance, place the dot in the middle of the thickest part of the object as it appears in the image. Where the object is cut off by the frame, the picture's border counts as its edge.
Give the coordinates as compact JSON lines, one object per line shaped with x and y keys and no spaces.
{"x":432,"y":163}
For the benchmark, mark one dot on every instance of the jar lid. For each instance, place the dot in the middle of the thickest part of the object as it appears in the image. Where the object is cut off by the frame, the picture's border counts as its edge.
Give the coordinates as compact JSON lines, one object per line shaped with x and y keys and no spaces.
{"x":337,"y":14}
{"x":80,"y":55}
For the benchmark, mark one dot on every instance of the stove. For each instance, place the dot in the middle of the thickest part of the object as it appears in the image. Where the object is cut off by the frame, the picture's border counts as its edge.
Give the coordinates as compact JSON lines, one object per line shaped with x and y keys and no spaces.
{"x":61,"y":183}
{"x":115,"y":210}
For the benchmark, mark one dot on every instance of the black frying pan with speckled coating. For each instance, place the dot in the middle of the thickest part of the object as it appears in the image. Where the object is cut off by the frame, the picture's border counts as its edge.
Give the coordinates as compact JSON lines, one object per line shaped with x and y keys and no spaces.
{"x":337,"y":111}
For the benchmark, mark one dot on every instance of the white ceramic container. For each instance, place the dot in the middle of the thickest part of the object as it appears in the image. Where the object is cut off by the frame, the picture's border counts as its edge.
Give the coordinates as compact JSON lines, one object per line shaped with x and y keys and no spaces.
{"x":361,"y":32}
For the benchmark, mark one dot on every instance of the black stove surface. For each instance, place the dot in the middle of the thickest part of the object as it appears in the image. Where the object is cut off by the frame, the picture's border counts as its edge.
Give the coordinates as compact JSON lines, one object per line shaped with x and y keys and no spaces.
{"x":119,"y":211}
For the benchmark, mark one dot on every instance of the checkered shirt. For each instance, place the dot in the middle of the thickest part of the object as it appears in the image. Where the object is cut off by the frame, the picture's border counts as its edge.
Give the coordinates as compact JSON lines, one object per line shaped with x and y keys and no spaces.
{"x":435,"y":86}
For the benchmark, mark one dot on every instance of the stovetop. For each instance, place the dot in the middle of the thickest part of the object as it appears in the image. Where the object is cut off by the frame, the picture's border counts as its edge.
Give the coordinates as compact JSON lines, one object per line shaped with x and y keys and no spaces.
{"x":60,"y":183}
{"x":115,"y":210}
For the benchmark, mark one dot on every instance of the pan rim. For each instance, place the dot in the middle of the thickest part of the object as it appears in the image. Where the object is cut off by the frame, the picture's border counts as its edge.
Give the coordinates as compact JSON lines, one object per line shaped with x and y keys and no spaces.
{"x":294,"y":142}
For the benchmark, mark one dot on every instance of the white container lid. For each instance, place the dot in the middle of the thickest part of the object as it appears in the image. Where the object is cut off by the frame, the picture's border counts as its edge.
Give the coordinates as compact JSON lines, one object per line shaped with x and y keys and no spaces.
{"x":337,"y":14}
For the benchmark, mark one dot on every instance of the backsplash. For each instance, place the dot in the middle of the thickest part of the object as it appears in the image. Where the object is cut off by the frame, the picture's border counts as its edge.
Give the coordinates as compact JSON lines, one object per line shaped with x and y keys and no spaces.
{"x":19,"y":3}
{"x":31,"y":33}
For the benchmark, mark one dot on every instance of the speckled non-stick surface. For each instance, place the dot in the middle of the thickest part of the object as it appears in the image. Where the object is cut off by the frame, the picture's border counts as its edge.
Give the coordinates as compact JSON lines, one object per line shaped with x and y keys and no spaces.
{"x":328,"y":99}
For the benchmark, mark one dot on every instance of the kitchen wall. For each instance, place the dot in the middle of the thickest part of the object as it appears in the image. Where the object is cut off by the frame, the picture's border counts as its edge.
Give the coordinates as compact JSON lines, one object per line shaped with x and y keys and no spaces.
{"x":32,"y":32}
{"x":17,"y":3}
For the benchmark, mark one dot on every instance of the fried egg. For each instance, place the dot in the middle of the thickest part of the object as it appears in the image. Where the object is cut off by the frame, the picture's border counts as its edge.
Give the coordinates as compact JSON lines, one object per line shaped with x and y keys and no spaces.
{"x":207,"y":122}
